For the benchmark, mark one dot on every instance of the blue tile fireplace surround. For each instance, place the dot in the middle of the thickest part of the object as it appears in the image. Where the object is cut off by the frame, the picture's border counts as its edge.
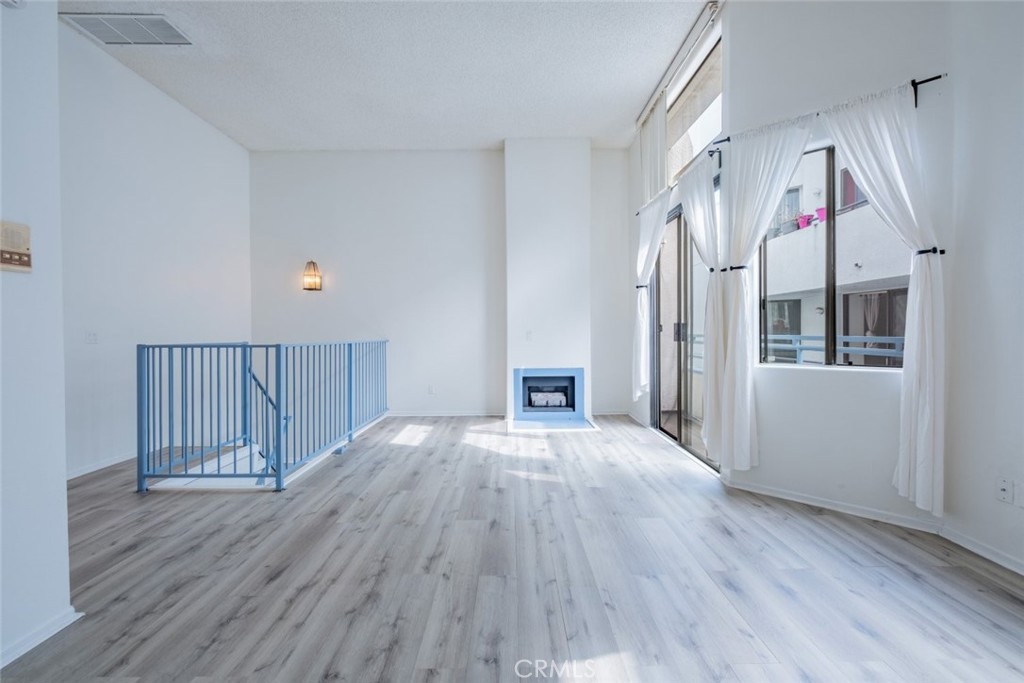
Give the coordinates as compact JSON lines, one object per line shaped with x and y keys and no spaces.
{"x":548,"y":394}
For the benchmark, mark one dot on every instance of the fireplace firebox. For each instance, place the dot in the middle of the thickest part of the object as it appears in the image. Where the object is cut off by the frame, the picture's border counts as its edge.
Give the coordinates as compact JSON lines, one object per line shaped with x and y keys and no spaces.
{"x":548,"y":393}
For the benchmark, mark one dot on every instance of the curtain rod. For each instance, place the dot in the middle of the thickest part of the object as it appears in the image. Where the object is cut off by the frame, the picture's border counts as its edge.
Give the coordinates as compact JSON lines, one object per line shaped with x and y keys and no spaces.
{"x":914,"y":83}
{"x":713,"y":152}
{"x":693,"y":37}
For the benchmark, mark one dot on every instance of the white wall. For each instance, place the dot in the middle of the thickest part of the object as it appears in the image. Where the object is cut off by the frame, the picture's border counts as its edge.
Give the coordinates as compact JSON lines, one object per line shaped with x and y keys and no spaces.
{"x":156,"y":235}
{"x":806,"y":415}
{"x":611,"y":292}
{"x":783,"y":59}
{"x":985,"y":438}
{"x":639,"y":408}
{"x":412,"y":249}
{"x":548,"y":262}
{"x":35,"y":599}
{"x":871,"y":47}
{"x":827,"y":437}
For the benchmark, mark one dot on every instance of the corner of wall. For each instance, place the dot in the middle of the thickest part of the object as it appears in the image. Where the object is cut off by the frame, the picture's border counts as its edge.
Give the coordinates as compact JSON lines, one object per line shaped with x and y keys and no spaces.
{"x":35,"y":590}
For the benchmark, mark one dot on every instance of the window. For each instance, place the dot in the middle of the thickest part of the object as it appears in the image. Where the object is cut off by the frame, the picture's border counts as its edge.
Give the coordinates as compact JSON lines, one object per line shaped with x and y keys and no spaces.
{"x":788,"y":215}
{"x":873,"y":327}
{"x":833,"y":282}
{"x":784,"y":329}
{"x":695,"y":117}
{"x":851,"y":196}
{"x":793,"y":268}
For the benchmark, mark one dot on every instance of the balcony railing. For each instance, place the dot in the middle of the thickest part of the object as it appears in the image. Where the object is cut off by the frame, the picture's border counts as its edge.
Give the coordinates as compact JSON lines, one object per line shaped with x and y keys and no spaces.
{"x":799,"y":344}
{"x":252,"y":411}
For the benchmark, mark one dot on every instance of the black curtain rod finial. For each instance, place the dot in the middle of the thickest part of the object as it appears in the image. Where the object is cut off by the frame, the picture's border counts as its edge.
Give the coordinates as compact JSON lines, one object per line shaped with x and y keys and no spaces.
{"x":914,"y":83}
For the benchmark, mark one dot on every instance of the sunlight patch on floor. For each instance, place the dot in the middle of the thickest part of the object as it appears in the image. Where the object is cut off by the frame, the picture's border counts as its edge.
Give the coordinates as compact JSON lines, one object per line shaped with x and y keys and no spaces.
{"x":536,"y":476}
{"x":411,"y":435}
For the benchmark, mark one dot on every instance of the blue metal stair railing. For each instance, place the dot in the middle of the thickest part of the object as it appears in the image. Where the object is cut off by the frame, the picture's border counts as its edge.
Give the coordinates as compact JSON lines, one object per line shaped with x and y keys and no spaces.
{"x":240,"y":410}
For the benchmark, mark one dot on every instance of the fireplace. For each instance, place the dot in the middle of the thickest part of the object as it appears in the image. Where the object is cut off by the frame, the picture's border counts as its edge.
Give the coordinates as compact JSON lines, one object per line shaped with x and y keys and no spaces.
{"x":548,"y":393}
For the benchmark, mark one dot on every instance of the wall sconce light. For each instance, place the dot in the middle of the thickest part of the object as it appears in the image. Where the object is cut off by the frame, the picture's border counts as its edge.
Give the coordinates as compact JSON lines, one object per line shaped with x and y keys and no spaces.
{"x":311,"y":279}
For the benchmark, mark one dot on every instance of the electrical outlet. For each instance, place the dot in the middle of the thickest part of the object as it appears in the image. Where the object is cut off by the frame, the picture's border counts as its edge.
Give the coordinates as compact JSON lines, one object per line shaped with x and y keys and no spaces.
{"x":1004,"y":490}
{"x":430,"y":390}
{"x":92,"y":338}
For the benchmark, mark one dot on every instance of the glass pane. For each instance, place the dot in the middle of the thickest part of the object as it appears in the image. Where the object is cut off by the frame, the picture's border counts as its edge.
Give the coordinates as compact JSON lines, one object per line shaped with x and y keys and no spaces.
{"x":668,"y":316}
{"x":696,"y":300}
{"x":872,"y":275}
{"x":695,"y":118}
{"x":795,"y":273}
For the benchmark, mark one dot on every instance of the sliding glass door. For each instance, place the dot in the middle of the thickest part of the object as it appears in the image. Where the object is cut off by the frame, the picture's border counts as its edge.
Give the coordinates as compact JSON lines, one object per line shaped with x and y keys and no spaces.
{"x":681,"y":290}
{"x":670,"y":357}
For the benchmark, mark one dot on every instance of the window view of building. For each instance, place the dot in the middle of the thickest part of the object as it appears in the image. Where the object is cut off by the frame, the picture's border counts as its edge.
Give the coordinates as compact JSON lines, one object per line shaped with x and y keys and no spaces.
{"x":795,"y":267}
{"x":850,"y":196}
{"x":880,"y":320}
{"x":871,"y":273}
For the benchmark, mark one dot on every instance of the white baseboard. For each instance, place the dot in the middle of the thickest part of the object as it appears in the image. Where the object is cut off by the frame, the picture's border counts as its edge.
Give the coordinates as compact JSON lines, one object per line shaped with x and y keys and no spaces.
{"x":92,"y":467}
{"x":640,"y":422}
{"x":988,"y":552}
{"x":838,"y":506}
{"x":27,"y":642}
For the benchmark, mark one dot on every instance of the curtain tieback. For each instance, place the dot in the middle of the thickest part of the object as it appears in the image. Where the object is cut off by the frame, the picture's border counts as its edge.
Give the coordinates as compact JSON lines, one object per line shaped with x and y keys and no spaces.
{"x":933,"y":250}
{"x":725,"y":269}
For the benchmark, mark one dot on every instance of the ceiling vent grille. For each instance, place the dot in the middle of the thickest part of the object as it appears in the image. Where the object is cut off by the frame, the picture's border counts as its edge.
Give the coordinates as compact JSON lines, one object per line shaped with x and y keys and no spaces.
{"x":127,"y":29}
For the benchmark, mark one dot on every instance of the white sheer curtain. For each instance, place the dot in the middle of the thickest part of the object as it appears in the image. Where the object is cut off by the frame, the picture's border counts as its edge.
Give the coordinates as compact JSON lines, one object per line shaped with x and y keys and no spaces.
{"x":653,"y":160}
{"x":878,"y":136}
{"x":652,"y":230}
{"x":695,"y":192}
{"x":757,"y":168}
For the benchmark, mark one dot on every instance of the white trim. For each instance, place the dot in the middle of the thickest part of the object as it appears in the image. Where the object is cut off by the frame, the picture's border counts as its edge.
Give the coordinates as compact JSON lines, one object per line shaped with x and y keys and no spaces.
{"x":45,"y":631}
{"x":988,"y":552}
{"x":929,"y":526}
{"x":365,"y":427}
{"x":95,"y":467}
{"x":312,"y":464}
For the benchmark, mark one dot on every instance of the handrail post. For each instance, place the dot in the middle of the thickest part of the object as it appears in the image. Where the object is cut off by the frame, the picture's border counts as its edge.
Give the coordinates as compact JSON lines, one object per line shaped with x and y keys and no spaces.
{"x":279,"y":415}
{"x":170,"y":410}
{"x":348,"y":390}
{"x":246,"y":381}
{"x":142,"y":413}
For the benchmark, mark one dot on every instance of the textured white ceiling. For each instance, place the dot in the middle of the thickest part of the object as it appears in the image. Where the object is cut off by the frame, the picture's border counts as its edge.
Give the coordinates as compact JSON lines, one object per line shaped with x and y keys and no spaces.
{"x":409,"y":75}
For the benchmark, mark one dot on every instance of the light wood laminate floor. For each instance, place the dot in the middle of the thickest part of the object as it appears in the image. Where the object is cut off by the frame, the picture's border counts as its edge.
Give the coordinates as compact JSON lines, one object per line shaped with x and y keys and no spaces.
{"x":443,"y":549}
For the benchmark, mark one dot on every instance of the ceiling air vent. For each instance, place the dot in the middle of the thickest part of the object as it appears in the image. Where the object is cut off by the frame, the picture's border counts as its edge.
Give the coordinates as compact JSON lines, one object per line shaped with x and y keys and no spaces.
{"x":128,"y":29}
